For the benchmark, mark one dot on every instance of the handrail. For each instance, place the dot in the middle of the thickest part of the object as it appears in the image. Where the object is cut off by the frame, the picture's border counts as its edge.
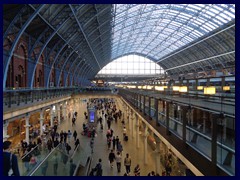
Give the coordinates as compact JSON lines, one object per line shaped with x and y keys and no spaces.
{"x":89,"y":165}
{"x":29,"y":152}
{"x":43,"y":161}
{"x":75,"y":151}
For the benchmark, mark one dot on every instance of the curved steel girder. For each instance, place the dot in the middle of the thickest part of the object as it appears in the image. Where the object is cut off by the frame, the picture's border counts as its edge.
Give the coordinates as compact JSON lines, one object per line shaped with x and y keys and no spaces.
{"x":84,"y":65}
{"x":67,"y":59}
{"x":84,"y":35}
{"x":43,"y":48}
{"x":66,"y":43}
{"x":86,"y":71}
{"x":37,"y":41}
{"x":182,"y":10}
{"x":80,"y":71}
{"x":11,"y":25}
{"x":53,"y":50}
{"x":98,"y":13}
{"x":30,"y":19}
{"x":193,"y":44}
{"x":80,"y":62}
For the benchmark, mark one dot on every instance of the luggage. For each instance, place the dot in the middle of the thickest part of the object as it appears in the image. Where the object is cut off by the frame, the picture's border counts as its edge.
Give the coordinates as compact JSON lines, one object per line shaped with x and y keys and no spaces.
{"x":126,"y":138}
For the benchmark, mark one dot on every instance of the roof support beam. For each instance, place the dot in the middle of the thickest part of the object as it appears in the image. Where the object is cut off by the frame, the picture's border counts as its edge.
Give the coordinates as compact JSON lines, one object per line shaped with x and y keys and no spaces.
{"x":201,"y":60}
{"x":84,"y":35}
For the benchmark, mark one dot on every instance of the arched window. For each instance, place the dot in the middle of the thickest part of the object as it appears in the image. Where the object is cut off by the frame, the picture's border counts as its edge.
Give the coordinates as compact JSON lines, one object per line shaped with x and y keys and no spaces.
{"x":132,"y":65}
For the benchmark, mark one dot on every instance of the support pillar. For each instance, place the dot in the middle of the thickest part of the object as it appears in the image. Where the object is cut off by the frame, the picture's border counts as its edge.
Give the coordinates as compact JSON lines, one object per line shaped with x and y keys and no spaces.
{"x":133,"y":117}
{"x":204,"y":121}
{"x":64,"y":110}
{"x":5,"y":129}
{"x":58,"y":113}
{"x":51,"y":117}
{"x":158,"y":155}
{"x":137,"y":131}
{"x":41,"y":122}
{"x":224,"y":124}
{"x":27,"y":125}
{"x":145,"y":143}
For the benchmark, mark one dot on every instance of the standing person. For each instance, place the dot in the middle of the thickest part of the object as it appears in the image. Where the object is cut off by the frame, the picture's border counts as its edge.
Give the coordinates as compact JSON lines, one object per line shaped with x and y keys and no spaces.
{"x":124,"y":132}
{"x":117,"y":141}
{"x":127,"y":163}
{"x":137,"y":170}
{"x":111,"y":158}
{"x":10,"y":161}
{"x":44,"y":168}
{"x":92,"y":144}
{"x":98,"y":168}
{"x":76,"y":144}
{"x":114,"y":142}
{"x":75,"y":135}
{"x":55,"y":164}
{"x":72,"y":168}
{"x":68,"y":148}
{"x":118,"y":161}
{"x":69,"y":134}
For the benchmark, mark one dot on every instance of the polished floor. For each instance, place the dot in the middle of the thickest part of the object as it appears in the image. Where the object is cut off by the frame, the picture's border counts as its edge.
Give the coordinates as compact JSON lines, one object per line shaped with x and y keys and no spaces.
{"x":100,"y":145}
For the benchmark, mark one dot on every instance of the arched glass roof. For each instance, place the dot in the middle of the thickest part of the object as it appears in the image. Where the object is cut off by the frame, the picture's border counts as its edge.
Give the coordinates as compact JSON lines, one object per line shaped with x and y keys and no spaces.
{"x":78,"y":40}
{"x":156,"y":30}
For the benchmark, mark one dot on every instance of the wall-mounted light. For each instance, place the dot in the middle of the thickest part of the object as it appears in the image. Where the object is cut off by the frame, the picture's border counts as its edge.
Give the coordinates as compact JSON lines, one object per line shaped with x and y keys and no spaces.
{"x":175,"y":88}
{"x":200,"y":88}
{"x":209,"y":90}
{"x":159,"y":88}
{"x":226,"y":88}
{"x":183,"y":89}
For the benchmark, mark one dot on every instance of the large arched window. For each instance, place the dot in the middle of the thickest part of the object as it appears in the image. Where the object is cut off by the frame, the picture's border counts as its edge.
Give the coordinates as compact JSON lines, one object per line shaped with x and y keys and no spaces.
{"x":132,"y":65}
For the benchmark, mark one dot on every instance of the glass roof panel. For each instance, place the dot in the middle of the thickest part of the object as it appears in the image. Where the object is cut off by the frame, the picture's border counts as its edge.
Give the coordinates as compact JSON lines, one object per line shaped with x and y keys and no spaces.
{"x":164,"y":28}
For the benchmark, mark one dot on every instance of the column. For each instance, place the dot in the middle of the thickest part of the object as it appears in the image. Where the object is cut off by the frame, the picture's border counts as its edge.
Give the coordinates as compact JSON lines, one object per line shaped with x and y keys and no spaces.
{"x":157,"y":157}
{"x":137,"y":130}
{"x":167,"y":118}
{"x":204,"y":121}
{"x":58,"y":113}
{"x":27,"y":125}
{"x":145,"y":143}
{"x":51,"y":117}
{"x":5,"y":128}
{"x":133,"y":117}
{"x":64,"y":113}
{"x":224,"y":124}
{"x":129,"y":119}
{"x":41,"y":122}
{"x":156,"y":110}
{"x":144,"y":101}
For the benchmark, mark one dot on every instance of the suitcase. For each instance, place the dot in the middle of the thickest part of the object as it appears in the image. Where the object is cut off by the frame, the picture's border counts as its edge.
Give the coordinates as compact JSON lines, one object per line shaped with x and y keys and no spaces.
{"x":126,"y":138}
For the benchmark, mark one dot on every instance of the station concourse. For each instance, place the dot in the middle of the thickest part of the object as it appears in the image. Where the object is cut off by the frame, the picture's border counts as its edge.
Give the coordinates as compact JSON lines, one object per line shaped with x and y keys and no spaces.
{"x":161,"y":77}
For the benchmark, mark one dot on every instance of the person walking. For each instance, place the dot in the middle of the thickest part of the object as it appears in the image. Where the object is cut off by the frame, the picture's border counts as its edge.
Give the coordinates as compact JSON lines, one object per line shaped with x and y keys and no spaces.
{"x":127,"y":163}
{"x":98,"y":168}
{"x":10,"y":161}
{"x":118,"y":161}
{"x":111,"y":158}
{"x":76,"y":144}
{"x":72,"y":167}
{"x":75,"y":135}
{"x":55,"y":163}
{"x":137,"y":170}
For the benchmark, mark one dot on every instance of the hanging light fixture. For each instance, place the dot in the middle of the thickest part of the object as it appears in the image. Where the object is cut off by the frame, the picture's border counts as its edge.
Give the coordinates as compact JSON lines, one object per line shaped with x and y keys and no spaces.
{"x":159,"y":88}
{"x":183,"y":89}
{"x":209,"y":90}
{"x":200,"y":88}
{"x":175,"y":88}
{"x":139,"y":87}
{"x":226,"y":88}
